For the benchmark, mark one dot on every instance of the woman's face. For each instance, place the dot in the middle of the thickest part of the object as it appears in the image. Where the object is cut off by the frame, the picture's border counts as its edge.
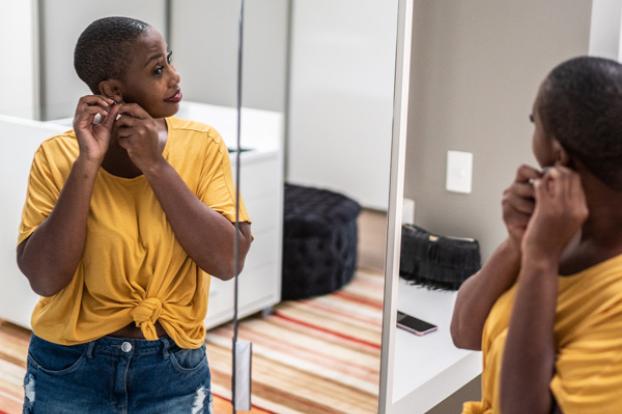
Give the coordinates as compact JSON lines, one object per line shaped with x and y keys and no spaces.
{"x":542,"y":145}
{"x":150,"y":79}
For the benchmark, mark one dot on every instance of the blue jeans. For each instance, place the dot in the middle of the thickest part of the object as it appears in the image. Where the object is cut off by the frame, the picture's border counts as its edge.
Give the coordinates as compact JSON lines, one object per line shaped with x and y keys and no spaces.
{"x":116,"y":375}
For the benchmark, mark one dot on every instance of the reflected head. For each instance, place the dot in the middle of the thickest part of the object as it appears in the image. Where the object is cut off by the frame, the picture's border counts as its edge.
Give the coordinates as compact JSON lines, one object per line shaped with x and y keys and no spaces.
{"x":580,"y":106}
{"x":104,"y":49}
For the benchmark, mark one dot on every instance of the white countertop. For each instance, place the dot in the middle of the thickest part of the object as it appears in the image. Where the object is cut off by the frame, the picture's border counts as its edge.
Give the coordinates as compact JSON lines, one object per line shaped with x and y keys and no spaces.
{"x":427,"y":369}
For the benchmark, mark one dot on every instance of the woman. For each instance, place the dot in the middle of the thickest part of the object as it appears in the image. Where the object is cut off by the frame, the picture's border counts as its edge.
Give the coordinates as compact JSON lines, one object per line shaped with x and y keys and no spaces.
{"x":125,"y":217}
{"x":546,"y":309}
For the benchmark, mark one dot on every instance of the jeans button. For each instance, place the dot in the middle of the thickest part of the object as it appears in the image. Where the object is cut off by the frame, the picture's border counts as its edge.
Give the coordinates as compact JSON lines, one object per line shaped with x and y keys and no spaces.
{"x":126,"y":347}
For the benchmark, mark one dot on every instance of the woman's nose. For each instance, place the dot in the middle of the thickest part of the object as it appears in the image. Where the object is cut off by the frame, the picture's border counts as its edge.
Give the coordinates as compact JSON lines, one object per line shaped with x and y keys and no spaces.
{"x":175,"y":77}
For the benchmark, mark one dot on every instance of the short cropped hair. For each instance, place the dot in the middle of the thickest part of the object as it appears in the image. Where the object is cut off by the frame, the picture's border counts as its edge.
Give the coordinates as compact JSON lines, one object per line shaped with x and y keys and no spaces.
{"x":103,"y":49}
{"x":580,"y":105}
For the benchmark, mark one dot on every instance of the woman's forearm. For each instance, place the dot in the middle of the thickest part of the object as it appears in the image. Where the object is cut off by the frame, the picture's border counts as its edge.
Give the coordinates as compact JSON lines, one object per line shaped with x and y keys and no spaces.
{"x":529,"y":355}
{"x":478,"y":294}
{"x":50,"y":256}
{"x":205,"y":234}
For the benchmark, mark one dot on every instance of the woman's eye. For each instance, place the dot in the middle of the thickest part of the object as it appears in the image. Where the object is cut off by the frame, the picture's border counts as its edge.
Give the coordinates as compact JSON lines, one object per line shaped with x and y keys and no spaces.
{"x":169,"y":57}
{"x":158,"y":70}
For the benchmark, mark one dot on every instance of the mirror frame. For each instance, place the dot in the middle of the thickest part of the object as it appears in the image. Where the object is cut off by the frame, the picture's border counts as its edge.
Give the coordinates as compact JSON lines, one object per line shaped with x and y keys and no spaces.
{"x":396,"y":195}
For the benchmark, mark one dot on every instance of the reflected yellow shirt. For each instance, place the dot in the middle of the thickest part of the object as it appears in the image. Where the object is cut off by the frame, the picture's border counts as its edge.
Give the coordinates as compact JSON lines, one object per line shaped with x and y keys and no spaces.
{"x":588,"y":338}
{"x":133,"y":269}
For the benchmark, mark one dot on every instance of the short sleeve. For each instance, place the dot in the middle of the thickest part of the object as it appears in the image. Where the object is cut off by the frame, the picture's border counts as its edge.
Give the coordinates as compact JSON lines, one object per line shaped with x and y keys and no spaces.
{"x":41,"y":196}
{"x":588,"y":376}
{"x":216,"y":188}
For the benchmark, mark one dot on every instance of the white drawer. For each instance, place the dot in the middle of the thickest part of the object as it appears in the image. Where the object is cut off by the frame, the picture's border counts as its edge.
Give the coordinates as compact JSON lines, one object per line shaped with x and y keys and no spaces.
{"x":265,"y":249}
{"x":259,"y":284}
{"x":220,"y":302}
{"x":265,"y":212}
{"x":259,"y":280}
{"x":260,"y":177}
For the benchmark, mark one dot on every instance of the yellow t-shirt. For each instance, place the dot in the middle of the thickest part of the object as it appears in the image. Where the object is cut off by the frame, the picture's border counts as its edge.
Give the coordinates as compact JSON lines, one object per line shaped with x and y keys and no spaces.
{"x":133,"y":269}
{"x":588,"y":340}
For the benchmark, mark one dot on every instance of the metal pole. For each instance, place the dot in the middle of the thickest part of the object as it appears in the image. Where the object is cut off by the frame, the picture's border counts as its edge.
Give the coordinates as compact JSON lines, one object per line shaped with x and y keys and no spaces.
{"x":236,"y":255}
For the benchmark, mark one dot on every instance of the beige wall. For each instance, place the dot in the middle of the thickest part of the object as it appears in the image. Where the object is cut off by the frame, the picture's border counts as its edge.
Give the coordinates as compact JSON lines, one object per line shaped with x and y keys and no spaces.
{"x":477,"y":65}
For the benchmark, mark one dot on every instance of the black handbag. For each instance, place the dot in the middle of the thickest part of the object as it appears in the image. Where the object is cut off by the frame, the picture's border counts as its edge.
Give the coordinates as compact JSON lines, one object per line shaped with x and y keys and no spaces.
{"x":435,"y":261}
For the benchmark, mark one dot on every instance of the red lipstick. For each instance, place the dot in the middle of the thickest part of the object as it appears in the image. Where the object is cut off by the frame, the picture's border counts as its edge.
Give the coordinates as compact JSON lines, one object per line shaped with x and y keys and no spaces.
{"x":176,"y":97}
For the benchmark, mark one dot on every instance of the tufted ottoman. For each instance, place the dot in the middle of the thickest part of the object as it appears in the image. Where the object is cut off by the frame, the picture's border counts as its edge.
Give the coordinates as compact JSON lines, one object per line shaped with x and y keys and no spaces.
{"x":319,"y":241}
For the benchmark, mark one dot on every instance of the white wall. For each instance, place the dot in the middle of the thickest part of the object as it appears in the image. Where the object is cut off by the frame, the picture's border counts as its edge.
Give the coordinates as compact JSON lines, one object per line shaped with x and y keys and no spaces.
{"x":476,"y":67}
{"x":341,"y":96}
{"x":17,"y":31}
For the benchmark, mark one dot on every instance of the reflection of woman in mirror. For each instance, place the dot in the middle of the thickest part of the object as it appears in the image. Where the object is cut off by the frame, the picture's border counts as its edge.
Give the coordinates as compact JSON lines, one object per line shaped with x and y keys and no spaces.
{"x":546,"y":309}
{"x":123,"y":216}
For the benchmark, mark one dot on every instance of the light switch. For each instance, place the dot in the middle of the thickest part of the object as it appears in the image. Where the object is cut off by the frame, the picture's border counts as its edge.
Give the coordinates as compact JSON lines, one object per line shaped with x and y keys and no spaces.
{"x":459,"y":171}
{"x":408,"y":211}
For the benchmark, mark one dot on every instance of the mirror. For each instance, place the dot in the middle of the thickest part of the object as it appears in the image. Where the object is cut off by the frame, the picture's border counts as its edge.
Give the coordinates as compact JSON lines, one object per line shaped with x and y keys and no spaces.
{"x":476,"y":69}
{"x":317,"y":126}
{"x":317,"y":346}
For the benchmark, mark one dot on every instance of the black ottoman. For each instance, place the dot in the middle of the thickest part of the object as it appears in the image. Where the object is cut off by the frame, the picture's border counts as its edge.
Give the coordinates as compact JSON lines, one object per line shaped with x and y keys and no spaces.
{"x":319,"y":241}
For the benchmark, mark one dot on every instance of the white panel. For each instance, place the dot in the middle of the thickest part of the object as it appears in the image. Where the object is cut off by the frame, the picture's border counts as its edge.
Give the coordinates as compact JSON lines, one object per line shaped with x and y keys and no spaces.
{"x":341,"y":96}
{"x":62,"y":23}
{"x":17,"y":50}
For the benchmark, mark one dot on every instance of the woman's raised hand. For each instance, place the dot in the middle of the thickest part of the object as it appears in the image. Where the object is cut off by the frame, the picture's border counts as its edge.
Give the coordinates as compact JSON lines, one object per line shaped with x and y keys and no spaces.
{"x":519,"y":202}
{"x":559,"y":214}
{"x":94,"y":137}
{"x":138,"y":135}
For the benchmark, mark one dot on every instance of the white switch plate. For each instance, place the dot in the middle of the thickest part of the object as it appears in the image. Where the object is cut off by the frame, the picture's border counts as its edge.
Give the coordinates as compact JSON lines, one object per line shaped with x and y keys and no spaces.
{"x":408,"y":211}
{"x":459,"y":171}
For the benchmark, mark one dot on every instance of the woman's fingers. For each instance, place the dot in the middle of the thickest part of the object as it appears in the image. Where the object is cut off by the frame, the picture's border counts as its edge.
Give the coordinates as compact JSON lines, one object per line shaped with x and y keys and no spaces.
{"x":111,"y":118}
{"x":526,"y":173}
{"x":125,"y":121}
{"x":89,"y":107}
{"x":124,"y":142}
{"x":134,"y":110}
{"x":521,"y":204}
{"x":94,"y":100}
{"x":524,"y":190}
{"x":88,"y":114}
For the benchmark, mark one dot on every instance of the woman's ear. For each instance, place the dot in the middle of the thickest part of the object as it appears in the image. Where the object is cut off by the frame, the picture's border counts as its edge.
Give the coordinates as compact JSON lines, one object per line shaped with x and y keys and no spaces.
{"x":111,"y":88}
{"x":561,"y":155}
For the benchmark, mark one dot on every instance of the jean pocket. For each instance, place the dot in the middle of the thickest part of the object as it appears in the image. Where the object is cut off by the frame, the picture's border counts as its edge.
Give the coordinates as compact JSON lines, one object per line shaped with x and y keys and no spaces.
{"x":187,"y":360}
{"x":53,"y":358}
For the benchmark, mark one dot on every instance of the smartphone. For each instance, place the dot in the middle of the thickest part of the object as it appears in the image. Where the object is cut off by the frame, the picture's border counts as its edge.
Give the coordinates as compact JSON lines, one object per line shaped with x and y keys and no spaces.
{"x":414,"y":325}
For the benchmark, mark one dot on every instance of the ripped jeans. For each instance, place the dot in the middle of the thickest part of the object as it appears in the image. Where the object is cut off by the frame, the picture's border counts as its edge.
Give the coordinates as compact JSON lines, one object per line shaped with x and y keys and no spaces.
{"x":116,"y":375}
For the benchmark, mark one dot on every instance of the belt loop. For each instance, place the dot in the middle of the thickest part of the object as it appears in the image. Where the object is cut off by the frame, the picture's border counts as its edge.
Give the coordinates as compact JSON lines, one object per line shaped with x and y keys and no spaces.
{"x":165,"y":345}
{"x":89,"y":350}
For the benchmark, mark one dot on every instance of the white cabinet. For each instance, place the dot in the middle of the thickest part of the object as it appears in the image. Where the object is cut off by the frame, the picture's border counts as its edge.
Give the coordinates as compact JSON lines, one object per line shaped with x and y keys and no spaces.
{"x":22,"y":138}
{"x":261,"y":174}
{"x":261,"y":187}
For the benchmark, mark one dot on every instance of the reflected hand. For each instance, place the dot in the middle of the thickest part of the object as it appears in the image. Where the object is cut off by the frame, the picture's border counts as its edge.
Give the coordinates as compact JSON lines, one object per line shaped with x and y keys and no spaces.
{"x":518,"y":203}
{"x":559,"y":214}
{"x":94,"y":138}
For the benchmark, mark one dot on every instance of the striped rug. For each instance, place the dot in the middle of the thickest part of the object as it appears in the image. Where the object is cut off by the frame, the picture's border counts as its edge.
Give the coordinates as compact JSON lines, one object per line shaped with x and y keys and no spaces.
{"x":320,"y":355}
